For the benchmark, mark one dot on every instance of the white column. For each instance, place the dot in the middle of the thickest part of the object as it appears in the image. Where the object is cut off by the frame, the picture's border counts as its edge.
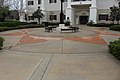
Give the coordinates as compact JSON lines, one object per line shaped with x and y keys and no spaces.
{"x":70,"y":12}
{"x":93,"y":11}
{"x":43,"y":10}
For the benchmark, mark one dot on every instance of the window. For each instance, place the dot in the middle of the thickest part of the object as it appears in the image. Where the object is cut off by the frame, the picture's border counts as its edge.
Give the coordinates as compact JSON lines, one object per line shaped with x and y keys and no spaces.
{"x":52,"y":1}
{"x":30,"y":3}
{"x":30,"y":18}
{"x":81,"y":0}
{"x":39,"y":1}
{"x":103,"y":17}
{"x":53,"y":17}
{"x":65,"y":0}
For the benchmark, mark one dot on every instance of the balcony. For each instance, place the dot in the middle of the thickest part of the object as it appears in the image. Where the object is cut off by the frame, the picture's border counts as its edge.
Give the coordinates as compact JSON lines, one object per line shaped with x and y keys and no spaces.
{"x":81,"y":2}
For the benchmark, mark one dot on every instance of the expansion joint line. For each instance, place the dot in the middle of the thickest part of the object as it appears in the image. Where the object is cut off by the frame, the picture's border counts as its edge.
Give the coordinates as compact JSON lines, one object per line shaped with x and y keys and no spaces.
{"x":47,"y":67}
{"x":62,"y":47}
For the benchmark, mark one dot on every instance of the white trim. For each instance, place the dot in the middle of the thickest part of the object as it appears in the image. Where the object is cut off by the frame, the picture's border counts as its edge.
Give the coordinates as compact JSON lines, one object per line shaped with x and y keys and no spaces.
{"x":104,"y":13}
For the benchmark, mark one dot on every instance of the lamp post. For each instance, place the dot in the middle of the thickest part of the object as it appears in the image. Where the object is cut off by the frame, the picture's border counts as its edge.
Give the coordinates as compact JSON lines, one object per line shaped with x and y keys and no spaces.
{"x":61,"y":14}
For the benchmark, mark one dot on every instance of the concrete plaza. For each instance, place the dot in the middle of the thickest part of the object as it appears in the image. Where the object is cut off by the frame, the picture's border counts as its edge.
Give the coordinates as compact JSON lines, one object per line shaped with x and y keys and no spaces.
{"x":33,"y":54}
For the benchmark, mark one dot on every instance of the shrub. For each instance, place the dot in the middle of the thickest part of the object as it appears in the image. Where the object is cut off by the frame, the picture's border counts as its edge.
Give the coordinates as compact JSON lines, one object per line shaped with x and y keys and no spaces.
{"x":9,"y":24}
{"x":102,"y":25}
{"x":50,"y":23}
{"x":33,"y":23}
{"x":90,"y":23}
{"x":53,"y":23}
{"x":1,"y":42}
{"x":114,"y":48}
{"x":115,"y":27}
{"x":20,"y":27}
{"x":45,"y":24}
{"x":67,"y":23}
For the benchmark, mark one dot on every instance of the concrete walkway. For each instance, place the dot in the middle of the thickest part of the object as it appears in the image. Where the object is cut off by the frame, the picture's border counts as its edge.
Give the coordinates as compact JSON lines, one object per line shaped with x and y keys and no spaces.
{"x":33,"y":54}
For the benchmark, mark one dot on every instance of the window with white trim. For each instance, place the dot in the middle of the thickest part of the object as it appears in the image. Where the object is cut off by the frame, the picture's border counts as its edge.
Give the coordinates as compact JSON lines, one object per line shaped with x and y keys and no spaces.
{"x":52,"y":1}
{"x":103,"y":17}
{"x":30,"y":2}
{"x":53,"y":17}
{"x":65,"y":0}
{"x":39,"y":1}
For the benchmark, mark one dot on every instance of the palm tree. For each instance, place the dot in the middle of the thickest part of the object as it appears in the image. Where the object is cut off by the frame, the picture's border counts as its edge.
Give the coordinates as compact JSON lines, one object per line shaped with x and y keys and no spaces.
{"x":38,"y":14}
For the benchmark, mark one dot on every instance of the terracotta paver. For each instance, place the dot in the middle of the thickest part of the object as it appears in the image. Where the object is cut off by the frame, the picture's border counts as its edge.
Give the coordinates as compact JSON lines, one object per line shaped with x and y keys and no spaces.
{"x":90,"y":39}
{"x":46,"y":38}
{"x":14,"y":34}
{"x":102,"y":32}
{"x":27,"y":40}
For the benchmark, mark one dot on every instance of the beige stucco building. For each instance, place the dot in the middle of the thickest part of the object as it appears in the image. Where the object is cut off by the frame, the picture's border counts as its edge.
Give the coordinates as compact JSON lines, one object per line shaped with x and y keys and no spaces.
{"x":78,"y":11}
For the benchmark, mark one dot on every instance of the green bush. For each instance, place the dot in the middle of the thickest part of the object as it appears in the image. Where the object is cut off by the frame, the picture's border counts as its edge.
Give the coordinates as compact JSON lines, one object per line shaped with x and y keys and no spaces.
{"x":115,"y":27}
{"x":102,"y":25}
{"x":50,"y":23}
{"x":90,"y":23}
{"x":67,"y":23}
{"x":9,"y":24}
{"x":20,"y":27}
{"x":53,"y":23}
{"x":114,"y":48}
{"x":1,"y":42}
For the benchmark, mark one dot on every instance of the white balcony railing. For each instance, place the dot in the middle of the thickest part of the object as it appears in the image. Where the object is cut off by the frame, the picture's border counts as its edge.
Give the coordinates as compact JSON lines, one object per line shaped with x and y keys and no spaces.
{"x":81,"y":2}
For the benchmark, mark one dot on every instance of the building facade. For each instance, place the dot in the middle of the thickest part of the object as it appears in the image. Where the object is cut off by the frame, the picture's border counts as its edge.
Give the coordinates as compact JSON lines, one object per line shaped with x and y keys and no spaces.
{"x":78,"y":11}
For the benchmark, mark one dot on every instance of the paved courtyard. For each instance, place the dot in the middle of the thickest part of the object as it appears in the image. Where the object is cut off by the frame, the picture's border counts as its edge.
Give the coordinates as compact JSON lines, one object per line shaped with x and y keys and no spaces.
{"x":33,"y":54}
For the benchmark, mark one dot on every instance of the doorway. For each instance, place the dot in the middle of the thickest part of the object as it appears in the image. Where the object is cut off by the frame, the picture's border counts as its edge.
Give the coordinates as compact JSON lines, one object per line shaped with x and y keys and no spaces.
{"x":83,"y":19}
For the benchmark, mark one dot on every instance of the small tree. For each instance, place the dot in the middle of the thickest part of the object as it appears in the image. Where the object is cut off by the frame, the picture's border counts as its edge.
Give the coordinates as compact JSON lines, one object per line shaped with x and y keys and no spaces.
{"x":38,"y":14}
{"x":19,"y":5}
{"x":118,"y":15}
{"x":4,"y":12}
{"x":26,"y":17}
{"x":115,"y":14}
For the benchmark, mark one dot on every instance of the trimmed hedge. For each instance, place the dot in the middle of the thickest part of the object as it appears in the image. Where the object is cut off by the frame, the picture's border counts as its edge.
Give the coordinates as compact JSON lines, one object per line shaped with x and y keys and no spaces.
{"x":115,"y":27}
{"x":1,"y":42}
{"x":20,"y":27}
{"x":15,"y":23}
{"x":55,"y":23}
{"x":114,"y":48}
{"x":9,"y":24}
{"x":101,"y":25}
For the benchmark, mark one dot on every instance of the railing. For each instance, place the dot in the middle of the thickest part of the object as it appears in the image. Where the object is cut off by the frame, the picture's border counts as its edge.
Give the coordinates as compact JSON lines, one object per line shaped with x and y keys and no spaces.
{"x":80,"y":0}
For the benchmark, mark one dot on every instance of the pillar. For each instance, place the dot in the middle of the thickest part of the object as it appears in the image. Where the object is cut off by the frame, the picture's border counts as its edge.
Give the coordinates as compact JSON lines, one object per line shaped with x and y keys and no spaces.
{"x":70,"y":13}
{"x":93,"y":11}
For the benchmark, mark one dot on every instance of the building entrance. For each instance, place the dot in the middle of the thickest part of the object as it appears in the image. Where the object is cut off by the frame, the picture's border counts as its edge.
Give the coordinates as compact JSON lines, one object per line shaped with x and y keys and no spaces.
{"x":83,"y":19}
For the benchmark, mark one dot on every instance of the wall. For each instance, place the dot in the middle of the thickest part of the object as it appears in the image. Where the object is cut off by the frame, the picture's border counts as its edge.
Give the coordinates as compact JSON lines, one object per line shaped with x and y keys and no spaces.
{"x":106,"y":4}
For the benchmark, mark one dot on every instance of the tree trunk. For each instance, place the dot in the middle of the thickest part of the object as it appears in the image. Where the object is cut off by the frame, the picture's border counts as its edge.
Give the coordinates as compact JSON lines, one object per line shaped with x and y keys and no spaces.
{"x":38,"y":20}
{"x":113,"y":21}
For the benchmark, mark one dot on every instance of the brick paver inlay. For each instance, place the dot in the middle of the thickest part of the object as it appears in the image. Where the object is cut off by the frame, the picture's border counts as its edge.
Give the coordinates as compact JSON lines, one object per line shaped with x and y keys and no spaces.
{"x":14,"y":34}
{"x":28,"y":39}
{"x":105,"y":33}
{"x":90,"y":39}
